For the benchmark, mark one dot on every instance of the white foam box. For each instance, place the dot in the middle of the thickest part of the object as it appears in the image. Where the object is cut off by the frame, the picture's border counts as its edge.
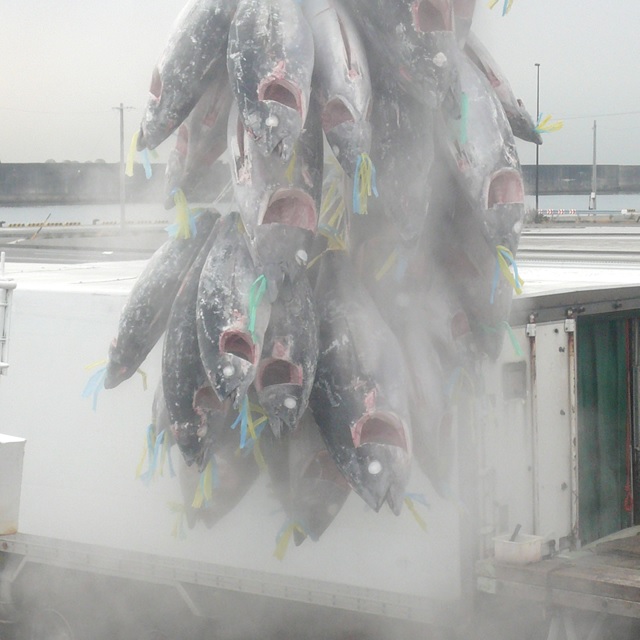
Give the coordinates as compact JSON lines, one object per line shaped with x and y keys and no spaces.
{"x":11,"y":457}
{"x":523,"y":550}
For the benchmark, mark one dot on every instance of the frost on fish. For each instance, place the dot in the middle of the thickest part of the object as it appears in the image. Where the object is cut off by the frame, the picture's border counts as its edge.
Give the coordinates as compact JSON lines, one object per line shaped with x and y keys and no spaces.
{"x":232,"y":315}
{"x":185,"y":68}
{"x":200,"y":141}
{"x":279,"y":204}
{"x":359,"y":397}
{"x":411,"y":41}
{"x":270,"y":62}
{"x":144,"y":317}
{"x":342,"y":85}
{"x":289,"y":356}
{"x":357,"y":334}
{"x":520,"y":120}
{"x":196,"y":415}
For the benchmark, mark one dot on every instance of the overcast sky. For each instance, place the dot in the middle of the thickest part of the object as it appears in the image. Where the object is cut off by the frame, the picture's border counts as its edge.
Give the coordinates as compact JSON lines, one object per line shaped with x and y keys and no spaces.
{"x":64,"y":65}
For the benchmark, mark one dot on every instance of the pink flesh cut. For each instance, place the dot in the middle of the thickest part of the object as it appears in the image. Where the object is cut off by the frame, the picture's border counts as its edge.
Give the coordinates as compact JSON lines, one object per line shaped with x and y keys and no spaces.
{"x":334,"y":113}
{"x":239,"y":344}
{"x":345,"y":42}
{"x":464,"y":8}
{"x":276,"y":371}
{"x":427,"y":17}
{"x":278,"y":90}
{"x":156,"y":84}
{"x":292,"y":207}
{"x":182,"y":143}
{"x":379,"y":428}
{"x":506,"y":188}
{"x":205,"y":399}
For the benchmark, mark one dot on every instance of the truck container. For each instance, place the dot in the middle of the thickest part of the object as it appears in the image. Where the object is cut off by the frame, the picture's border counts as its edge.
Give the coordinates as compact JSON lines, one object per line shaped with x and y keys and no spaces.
{"x":544,"y":455}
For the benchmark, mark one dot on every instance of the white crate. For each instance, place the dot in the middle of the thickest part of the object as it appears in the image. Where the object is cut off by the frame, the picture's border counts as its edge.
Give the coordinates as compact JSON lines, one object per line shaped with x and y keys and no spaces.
{"x":523,"y":550}
{"x":11,"y":456}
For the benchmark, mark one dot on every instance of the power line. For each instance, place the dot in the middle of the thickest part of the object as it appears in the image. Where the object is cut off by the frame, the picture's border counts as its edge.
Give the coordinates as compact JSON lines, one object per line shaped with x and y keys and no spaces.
{"x":600,"y":115}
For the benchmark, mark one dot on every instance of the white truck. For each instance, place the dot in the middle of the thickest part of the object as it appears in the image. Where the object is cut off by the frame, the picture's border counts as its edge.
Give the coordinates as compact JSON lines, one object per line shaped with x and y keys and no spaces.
{"x":97,"y":552}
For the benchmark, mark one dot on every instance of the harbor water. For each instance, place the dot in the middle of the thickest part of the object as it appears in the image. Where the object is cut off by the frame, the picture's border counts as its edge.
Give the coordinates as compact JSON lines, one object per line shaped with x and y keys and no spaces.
{"x":98,"y":214}
{"x":580,"y":202}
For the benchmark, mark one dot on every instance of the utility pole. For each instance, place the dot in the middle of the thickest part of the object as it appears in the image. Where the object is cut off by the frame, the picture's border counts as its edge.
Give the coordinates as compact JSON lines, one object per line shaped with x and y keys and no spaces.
{"x":121,"y":109}
{"x":537,"y":65}
{"x":594,"y":173}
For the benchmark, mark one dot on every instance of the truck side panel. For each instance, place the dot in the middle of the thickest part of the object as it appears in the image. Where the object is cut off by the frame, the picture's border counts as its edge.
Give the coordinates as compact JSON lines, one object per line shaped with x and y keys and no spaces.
{"x":80,"y":464}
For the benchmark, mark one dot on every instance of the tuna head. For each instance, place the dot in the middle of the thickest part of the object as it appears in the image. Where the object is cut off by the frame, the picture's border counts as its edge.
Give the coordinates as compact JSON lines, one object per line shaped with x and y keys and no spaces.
{"x":121,"y":365}
{"x":287,"y":368}
{"x":185,"y":68}
{"x":347,"y":135}
{"x":359,"y":396}
{"x":270,"y":194}
{"x":377,"y":472}
{"x":275,"y":125}
{"x":270,"y":62}
{"x":502,"y":221}
{"x":342,"y":85}
{"x":412,"y":42}
{"x":283,"y":249}
{"x":234,"y":371}
{"x":202,"y":434}
{"x":232,"y":312}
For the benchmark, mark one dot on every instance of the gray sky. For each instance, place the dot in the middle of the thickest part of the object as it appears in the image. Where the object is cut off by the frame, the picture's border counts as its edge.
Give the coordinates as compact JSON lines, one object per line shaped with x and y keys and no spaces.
{"x":64,"y":65}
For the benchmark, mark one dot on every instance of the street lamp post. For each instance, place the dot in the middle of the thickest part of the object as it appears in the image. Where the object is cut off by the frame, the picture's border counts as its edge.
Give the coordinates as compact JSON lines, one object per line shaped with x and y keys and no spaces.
{"x":537,"y":65}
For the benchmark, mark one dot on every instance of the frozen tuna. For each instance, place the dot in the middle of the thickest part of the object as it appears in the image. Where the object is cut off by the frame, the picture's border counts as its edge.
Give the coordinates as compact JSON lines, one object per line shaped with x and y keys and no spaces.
{"x":185,"y":68}
{"x":279,"y":204}
{"x":144,"y":317}
{"x":201,"y":140}
{"x":232,"y":312}
{"x":270,"y":62}
{"x":196,"y":415}
{"x":359,"y":396}
{"x":520,"y":120}
{"x":289,"y":356}
{"x":341,"y":81}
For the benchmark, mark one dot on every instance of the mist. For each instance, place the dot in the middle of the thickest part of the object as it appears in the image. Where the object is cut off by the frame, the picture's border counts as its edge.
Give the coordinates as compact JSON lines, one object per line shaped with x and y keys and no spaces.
{"x":268,"y":421}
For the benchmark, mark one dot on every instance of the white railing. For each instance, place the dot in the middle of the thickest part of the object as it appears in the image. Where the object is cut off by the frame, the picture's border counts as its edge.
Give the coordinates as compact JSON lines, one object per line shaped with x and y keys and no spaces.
{"x":6,"y":295}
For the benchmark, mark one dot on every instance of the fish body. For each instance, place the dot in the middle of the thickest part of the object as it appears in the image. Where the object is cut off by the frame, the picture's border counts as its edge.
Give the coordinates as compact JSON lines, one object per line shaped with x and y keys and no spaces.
{"x":318,"y":488}
{"x":521,"y":122}
{"x":145,"y":314}
{"x":462,"y":18}
{"x":484,"y":161}
{"x":201,"y":140}
{"x":411,"y":41}
{"x":463,"y":240}
{"x":232,"y":312}
{"x":304,"y":478}
{"x":196,"y":415}
{"x":436,"y":340}
{"x":279,"y":204}
{"x":289,"y":356}
{"x":230,"y":477}
{"x":403,"y":153}
{"x":359,"y":395}
{"x":341,"y":81}
{"x":185,"y":68}
{"x":270,"y":63}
